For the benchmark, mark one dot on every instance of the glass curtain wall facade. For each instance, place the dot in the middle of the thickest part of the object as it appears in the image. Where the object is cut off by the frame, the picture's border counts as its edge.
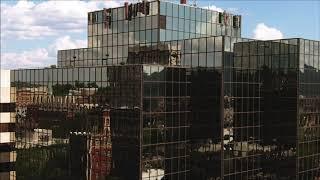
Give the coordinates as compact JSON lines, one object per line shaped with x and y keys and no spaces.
{"x":61,"y":130}
{"x":64,"y":112}
{"x":210,"y":65}
{"x":196,"y":52}
{"x":242,"y":115}
{"x":289,"y":93}
{"x":166,"y":123}
{"x":210,"y":104}
{"x":114,"y":35}
{"x":308,"y":122}
{"x":206,"y":144}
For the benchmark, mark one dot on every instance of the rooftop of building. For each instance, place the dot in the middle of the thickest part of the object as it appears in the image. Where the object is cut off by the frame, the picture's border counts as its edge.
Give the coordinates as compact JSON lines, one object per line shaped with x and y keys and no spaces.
{"x":176,"y":3}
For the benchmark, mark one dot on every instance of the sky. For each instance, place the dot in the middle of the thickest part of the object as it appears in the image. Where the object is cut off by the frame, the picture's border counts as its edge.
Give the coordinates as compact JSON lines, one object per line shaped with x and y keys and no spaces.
{"x":33,"y":31}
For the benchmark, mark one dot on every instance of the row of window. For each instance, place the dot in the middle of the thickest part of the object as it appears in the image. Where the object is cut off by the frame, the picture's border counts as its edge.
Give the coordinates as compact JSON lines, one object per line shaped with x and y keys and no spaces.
{"x":309,"y":47}
{"x":193,"y":60}
{"x":139,"y":38}
{"x":119,"y":14}
{"x":98,"y":74}
{"x":209,"y":44}
{"x":110,"y":73}
{"x":168,"y":23}
{"x":192,"y":13}
{"x":285,"y":46}
{"x":281,"y":55}
{"x":264,"y":48}
{"x":144,"y":23}
{"x":166,"y":9}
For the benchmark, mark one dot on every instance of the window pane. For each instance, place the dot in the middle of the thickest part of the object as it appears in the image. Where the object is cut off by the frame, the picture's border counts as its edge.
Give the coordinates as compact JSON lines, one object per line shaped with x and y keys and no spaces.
{"x":218,"y":43}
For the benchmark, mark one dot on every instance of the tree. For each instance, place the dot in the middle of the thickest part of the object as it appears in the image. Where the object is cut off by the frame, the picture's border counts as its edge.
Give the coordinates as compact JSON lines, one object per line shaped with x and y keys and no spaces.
{"x":61,"y":89}
{"x":40,"y":163}
{"x":92,"y":85}
{"x":79,"y":84}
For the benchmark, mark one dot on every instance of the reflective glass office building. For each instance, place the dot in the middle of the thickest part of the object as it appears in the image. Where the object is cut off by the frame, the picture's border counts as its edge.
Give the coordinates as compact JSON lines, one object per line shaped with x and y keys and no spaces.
{"x":98,"y":122}
{"x":118,"y":33}
{"x":289,"y":79}
{"x":170,"y":91}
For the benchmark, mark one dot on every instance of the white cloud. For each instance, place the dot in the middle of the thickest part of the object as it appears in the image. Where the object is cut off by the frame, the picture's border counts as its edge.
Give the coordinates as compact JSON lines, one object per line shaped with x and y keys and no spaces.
{"x":29,"y":20}
{"x":263,"y":32}
{"x":233,"y":10}
{"x":66,"y":42}
{"x":215,"y":8}
{"x":27,"y":59}
{"x":26,"y":20}
{"x":39,"y":57}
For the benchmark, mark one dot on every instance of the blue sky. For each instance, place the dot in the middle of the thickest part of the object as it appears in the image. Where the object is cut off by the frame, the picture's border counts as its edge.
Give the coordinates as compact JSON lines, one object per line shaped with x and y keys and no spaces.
{"x":32,"y":32}
{"x":293,"y":18}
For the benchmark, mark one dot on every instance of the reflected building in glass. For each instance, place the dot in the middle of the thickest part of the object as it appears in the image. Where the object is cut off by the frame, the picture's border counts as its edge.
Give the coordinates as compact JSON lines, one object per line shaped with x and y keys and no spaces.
{"x":86,"y":122}
{"x":289,"y":83}
{"x":136,"y":33}
{"x":170,"y":91}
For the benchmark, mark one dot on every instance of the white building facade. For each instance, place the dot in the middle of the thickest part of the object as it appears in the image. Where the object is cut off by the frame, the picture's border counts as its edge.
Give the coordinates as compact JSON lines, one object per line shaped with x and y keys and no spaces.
{"x":7,"y":129}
